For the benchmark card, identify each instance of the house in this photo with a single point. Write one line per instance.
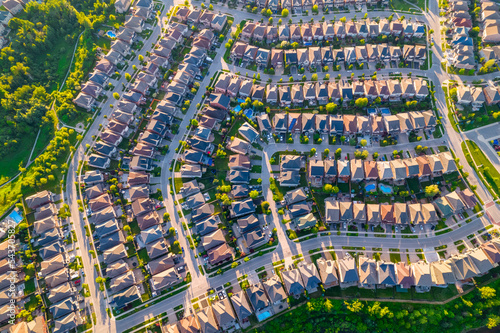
(264, 123)
(463, 267)
(39, 199)
(295, 196)
(293, 282)
(259, 32)
(218, 22)
(346, 213)
(238, 51)
(84, 101)
(188, 324)
(357, 172)
(480, 260)
(332, 210)
(373, 215)
(241, 306)
(310, 276)
(343, 171)
(324, 92)
(250, 53)
(212, 240)
(262, 57)
(336, 125)
(350, 125)
(280, 123)
(348, 273)
(321, 122)
(238, 176)
(219, 254)
(257, 296)
(492, 251)
(442, 273)
(363, 124)
(421, 274)
(247, 31)
(399, 170)
(359, 212)
(386, 274)
(271, 34)
(284, 96)
(283, 33)
(386, 213)
(239, 162)
(328, 272)
(371, 170)
(385, 171)
(468, 198)
(245, 88)
(239, 146)
(404, 276)
(302, 57)
(207, 321)
(306, 222)
(277, 58)
(299, 209)
(122, 6)
(248, 132)
(98, 161)
(224, 314)
(401, 213)
(242, 208)
(275, 291)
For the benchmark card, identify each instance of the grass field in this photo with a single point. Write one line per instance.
(485, 167)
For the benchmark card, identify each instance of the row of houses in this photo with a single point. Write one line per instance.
(348, 125)
(370, 274)
(316, 56)
(461, 54)
(61, 296)
(399, 213)
(269, 296)
(318, 92)
(477, 96)
(299, 6)
(490, 20)
(396, 171)
(307, 33)
(203, 19)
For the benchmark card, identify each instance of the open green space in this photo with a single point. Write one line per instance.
(484, 166)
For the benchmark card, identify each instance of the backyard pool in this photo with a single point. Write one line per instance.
(385, 189)
(385, 111)
(111, 34)
(263, 316)
(237, 108)
(371, 110)
(16, 216)
(241, 101)
(371, 187)
(249, 113)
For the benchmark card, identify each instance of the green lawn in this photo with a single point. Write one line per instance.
(486, 168)
(143, 256)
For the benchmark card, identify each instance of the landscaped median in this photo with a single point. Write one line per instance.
(490, 176)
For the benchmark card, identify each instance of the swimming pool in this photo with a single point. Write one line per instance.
(370, 187)
(371, 110)
(263, 316)
(111, 34)
(249, 113)
(237, 108)
(385, 189)
(241, 101)
(385, 111)
(16, 216)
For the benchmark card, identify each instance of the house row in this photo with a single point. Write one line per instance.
(398, 213)
(477, 96)
(348, 125)
(315, 56)
(490, 19)
(397, 171)
(370, 274)
(284, 95)
(54, 267)
(299, 6)
(307, 33)
(204, 19)
(461, 54)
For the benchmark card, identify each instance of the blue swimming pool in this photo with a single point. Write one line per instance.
(371, 110)
(263, 316)
(385, 111)
(370, 187)
(237, 108)
(111, 34)
(385, 189)
(241, 101)
(249, 113)
(16, 216)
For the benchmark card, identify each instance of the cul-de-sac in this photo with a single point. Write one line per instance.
(207, 166)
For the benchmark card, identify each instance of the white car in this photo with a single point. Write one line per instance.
(422, 227)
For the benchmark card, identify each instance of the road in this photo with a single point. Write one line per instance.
(286, 247)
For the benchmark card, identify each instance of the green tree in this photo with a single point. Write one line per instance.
(116, 95)
(314, 77)
(493, 321)
(361, 102)
(140, 57)
(285, 12)
(254, 194)
(363, 142)
(487, 292)
(330, 107)
(128, 77)
(432, 190)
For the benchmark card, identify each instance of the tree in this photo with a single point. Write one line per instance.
(363, 142)
(355, 306)
(211, 7)
(134, 67)
(361, 102)
(285, 12)
(489, 63)
(326, 152)
(259, 181)
(432, 190)
(375, 155)
(493, 321)
(315, 9)
(140, 57)
(128, 77)
(314, 77)
(343, 19)
(194, 122)
(330, 107)
(312, 152)
(342, 139)
(116, 95)
(338, 152)
(487, 292)
(270, 20)
(254, 194)
(327, 188)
